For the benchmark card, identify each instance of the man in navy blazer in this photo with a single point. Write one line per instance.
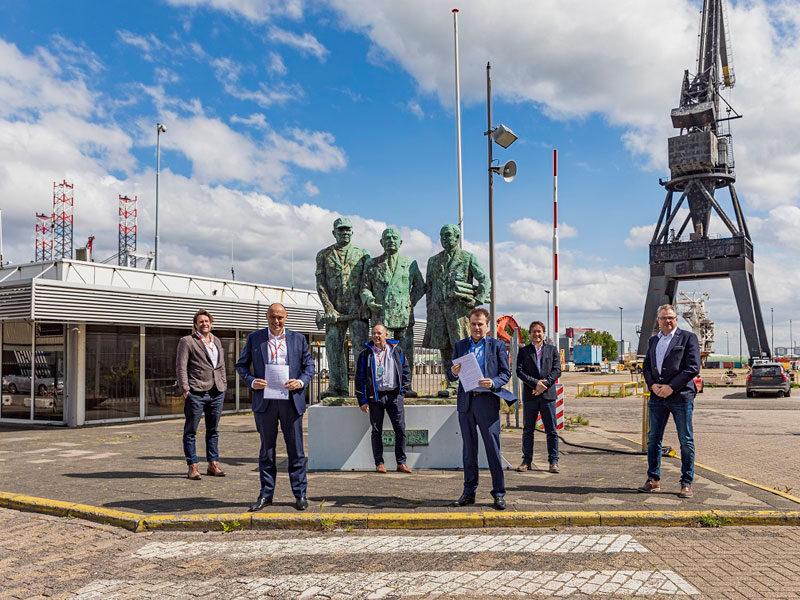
(278, 345)
(480, 408)
(538, 368)
(669, 368)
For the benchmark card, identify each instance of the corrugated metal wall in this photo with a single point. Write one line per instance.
(15, 302)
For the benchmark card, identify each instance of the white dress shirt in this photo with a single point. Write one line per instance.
(661, 347)
(213, 351)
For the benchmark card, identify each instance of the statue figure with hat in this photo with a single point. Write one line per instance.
(450, 294)
(339, 274)
(393, 284)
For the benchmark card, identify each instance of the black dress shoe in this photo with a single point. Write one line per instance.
(500, 502)
(301, 503)
(464, 500)
(261, 503)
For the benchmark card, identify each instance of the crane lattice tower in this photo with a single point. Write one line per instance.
(63, 202)
(701, 162)
(44, 237)
(127, 230)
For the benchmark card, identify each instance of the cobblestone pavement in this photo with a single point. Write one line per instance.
(50, 557)
(757, 439)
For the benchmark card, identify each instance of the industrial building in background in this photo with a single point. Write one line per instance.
(701, 162)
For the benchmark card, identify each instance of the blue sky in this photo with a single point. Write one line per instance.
(283, 114)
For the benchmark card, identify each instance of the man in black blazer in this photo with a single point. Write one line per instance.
(538, 367)
(669, 368)
(480, 408)
(278, 345)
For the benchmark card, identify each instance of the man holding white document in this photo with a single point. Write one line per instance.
(480, 363)
(281, 368)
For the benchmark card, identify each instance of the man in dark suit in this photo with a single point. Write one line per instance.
(200, 370)
(538, 367)
(480, 408)
(669, 368)
(278, 346)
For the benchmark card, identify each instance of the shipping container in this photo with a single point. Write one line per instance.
(587, 355)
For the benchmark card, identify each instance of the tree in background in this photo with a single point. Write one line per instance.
(604, 339)
(526, 337)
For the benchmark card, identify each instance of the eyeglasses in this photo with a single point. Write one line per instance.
(667, 318)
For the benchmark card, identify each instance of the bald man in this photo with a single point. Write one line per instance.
(277, 345)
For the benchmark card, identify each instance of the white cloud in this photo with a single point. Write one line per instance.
(276, 65)
(574, 58)
(640, 236)
(228, 71)
(149, 45)
(527, 230)
(310, 189)
(306, 43)
(414, 108)
(257, 11)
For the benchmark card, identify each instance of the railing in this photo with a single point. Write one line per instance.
(611, 389)
(427, 376)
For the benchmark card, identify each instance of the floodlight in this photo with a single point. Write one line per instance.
(503, 136)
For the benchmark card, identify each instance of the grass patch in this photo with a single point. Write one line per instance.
(712, 520)
(232, 526)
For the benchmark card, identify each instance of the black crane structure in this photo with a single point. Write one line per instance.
(701, 162)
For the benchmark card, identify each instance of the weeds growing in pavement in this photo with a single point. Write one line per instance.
(712, 520)
(227, 527)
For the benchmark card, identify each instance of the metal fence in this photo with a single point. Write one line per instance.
(427, 375)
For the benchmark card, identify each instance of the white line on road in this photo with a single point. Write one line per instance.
(386, 544)
(373, 586)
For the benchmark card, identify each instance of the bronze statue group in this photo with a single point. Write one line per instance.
(354, 290)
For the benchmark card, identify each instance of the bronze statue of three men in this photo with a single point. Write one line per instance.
(355, 288)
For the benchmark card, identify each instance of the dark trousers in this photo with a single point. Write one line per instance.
(285, 412)
(531, 409)
(395, 408)
(195, 405)
(483, 414)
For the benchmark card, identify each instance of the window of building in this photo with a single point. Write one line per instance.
(112, 372)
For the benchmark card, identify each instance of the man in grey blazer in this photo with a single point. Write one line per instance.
(200, 369)
(538, 368)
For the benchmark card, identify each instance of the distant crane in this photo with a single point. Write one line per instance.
(693, 309)
(701, 162)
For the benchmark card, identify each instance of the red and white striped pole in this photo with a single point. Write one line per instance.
(559, 386)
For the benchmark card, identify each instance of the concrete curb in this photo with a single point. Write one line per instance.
(328, 521)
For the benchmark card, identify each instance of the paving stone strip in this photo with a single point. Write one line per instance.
(557, 544)
(373, 586)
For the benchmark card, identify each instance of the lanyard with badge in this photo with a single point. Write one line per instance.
(211, 347)
(380, 357)
(274, 347)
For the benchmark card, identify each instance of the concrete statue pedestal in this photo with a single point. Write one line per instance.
(339, 439)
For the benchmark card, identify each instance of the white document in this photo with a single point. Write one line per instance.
(470, 372)
(276, 376)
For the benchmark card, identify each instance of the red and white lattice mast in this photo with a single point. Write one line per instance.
(127, 230)
(44, 237)
(63, 202)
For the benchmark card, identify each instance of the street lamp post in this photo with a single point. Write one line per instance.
(160, 128)
(791, 337)
(503, 137)
(621, 341)
(772, 333)
(548, 311)
(727, 344)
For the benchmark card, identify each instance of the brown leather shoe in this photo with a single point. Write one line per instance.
(403, 468)
(554, 467)
(651, 485)
(381, 468)
(686, 491)
(214, 470)
(194, 474)
(523, 467)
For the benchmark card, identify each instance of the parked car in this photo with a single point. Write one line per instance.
(698, 383)
(21, 384)
(768, 377)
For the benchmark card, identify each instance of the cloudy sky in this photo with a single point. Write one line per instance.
(283, 114)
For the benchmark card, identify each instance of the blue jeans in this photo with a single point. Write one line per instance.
(681, 412)
(194, 406)
(531, 409)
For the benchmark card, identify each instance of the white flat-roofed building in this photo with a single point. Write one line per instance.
(85, 342)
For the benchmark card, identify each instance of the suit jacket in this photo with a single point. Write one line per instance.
(495, 367)
(193, 365)
(530, 375)
(397, 291)
(447, 314)
(256, 354)
(681, 365)
(339, 276)
(366, 382)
